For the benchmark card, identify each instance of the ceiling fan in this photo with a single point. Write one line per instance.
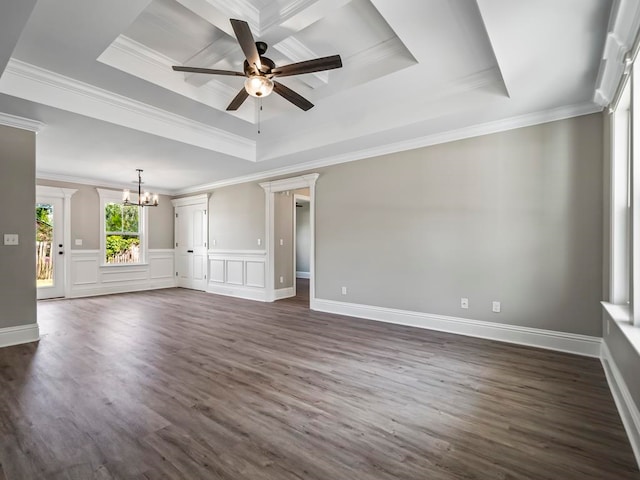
(260, 71)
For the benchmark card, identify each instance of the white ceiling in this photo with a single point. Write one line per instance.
(416, 72)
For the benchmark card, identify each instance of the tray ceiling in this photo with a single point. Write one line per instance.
(414, 73)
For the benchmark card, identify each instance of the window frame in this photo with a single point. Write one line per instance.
(115, 196)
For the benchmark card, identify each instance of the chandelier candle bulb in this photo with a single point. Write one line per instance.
(145, 199)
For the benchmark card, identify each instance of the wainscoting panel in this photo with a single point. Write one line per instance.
(235, 272)
(255, 274)
(238, 273)
(216, 273)
(89, 277)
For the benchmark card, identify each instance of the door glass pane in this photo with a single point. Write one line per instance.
(44, 244)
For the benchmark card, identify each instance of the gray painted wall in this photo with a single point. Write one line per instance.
(85, 217)
(161, 224)
(17, 195)
(236, 217)
(514, 217)
(303, 237)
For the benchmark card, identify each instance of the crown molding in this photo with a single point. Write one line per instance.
(621, 40)
(511, 123)
(21, 122)
(92, 182)
(138, 60)
(36, 84)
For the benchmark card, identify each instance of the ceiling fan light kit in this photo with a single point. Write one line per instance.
(260, 70)
(258, 86)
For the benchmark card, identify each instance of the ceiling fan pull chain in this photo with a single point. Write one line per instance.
(259, 116)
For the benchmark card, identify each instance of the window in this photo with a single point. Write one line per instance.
(123, 230)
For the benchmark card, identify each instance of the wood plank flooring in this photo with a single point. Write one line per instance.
(177, 384)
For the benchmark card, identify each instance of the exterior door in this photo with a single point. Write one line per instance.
(191, 246)
(49, 247)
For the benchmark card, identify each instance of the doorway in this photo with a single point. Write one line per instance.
(49, 247)
(302, 245)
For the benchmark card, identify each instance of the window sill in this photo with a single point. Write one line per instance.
(621, 314)
(122, 265)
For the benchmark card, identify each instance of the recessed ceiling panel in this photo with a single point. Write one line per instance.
(196, 33)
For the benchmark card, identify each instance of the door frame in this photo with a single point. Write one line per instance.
(65, 194)
(193, 200)
(270, 189)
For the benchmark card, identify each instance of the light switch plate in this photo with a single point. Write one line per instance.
(11, 239)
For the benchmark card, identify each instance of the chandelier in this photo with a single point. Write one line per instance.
(145, 199)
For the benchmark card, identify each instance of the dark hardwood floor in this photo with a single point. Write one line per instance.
(177, 384)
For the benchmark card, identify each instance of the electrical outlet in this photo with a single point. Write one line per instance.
(344, 290)
(259, 241)
(214, 242)
(281, 242)
(78, 242)
(281, 279)
(11, 239)
(464, 303)
(495, 306)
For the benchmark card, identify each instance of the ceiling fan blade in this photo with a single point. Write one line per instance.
(246, 41)
(238, 100)
(207, 70)
(295, 98)
(309, 66)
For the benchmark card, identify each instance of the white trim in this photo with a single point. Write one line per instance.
(497, 126)
(18, 335)
(534, 337)
(622, 31)
(21, 122)
(192, 200)
(240, 253)
(112, 290)
(286, 292)
(65, 194)
(238, 291)
(303, 275)
(36, 84)
(627, 408)
(115, 196)
(270, 189)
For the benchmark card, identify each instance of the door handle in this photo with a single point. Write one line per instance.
(60, 253)
(189, 251)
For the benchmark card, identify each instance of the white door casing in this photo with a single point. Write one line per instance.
(270, 189)
(60, 199)
(191, 227)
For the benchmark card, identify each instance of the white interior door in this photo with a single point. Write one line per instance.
(49, 247)
(191, 246)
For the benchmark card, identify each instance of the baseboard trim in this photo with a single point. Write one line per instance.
(627, 408)
(281, 293)
(238, 291)
(533, 337)
(127, 288)
(303, 274)
(10, 336)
